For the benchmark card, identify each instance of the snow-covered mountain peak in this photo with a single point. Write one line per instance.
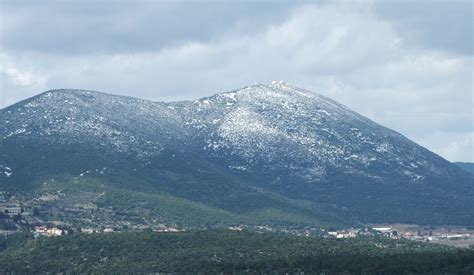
(278, 95)
(66, 93)
(278, 89)
(60, 98)
(276, 138)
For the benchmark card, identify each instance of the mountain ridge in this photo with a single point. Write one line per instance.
(259, 148)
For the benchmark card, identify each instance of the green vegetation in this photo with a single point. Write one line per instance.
(14, 240)
(122, 204)
(215, 251)
(127, 204)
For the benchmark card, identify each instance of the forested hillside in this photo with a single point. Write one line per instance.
(224, 251)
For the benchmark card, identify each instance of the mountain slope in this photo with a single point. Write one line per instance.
(468, 166)
(258, 150)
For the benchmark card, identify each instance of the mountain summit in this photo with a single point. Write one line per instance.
(261, 154)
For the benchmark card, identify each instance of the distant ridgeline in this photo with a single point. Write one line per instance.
(264, 154)
(468, 166)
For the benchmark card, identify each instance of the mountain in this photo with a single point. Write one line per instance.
(261, 154)
(468, 166)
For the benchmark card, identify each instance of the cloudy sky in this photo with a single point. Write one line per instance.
(405, 64)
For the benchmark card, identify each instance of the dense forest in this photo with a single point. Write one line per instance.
(225, 251)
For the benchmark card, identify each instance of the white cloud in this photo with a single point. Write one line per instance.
(22, 77)
(457, 146)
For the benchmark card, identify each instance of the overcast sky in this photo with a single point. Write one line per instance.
(405, 64)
